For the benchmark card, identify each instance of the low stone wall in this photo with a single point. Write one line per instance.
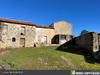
(88, 41)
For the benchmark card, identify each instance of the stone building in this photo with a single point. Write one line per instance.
(15, 33)
(63, 32)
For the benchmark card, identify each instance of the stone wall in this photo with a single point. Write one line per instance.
(62, 27)
(33, 34)
(88, 41)
(41, 32)
(14, 30)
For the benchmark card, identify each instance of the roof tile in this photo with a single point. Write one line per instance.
(42, 26)
(16, 21)
(23, 22)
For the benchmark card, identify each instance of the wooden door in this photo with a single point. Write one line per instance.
(22, 42)
(45, 39)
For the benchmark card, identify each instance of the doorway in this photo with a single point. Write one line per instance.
(45, 39)
(22, 42)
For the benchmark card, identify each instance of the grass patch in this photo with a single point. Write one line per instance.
(50, 58)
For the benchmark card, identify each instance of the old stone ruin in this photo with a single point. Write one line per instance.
(90, 42)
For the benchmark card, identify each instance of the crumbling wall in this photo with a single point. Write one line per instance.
(88, 41)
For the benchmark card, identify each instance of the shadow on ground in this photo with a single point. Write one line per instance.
(76, 50)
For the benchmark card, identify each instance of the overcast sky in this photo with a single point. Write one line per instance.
(83, 14)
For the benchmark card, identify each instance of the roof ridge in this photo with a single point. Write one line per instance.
(16, 21)
(61, 21)
(43, 26)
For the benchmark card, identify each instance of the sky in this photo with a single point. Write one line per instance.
(83, 14)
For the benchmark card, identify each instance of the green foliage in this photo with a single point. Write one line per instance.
(71, 72)
(84, 32)
(12, 64)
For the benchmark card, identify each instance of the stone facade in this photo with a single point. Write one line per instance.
(41, 33)
(62, 27)
(14, 33)
(88, 41)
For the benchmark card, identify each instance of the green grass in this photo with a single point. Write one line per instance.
(50, 58)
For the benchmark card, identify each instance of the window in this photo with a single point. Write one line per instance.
(5, 29)
(22, 30)
(63, 37)
(13, 39)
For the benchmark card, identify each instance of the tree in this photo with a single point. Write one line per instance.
(84, 32)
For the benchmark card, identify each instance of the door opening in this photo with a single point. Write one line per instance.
(22, 42)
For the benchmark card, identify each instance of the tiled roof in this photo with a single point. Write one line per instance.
(42, 26)
(23, 22)
(16, 21)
